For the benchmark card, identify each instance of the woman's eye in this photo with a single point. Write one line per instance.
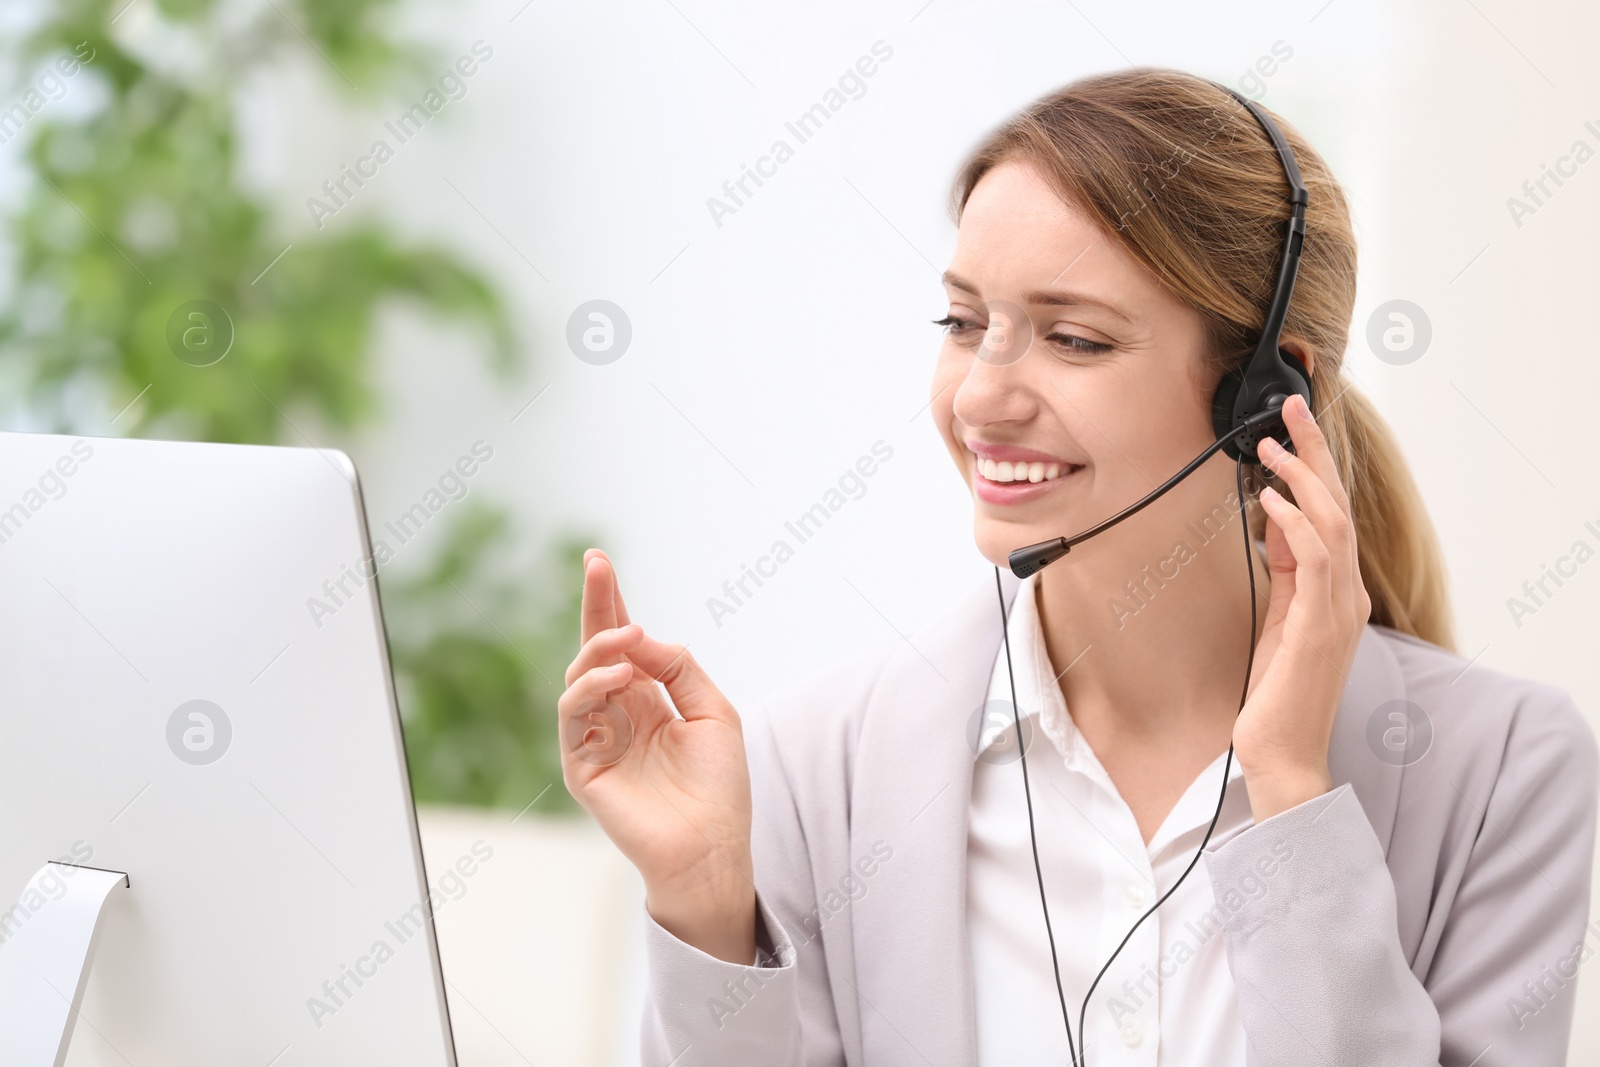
(1078, 344)
(966, 331)
(959, 328)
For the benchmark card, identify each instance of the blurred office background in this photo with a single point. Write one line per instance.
(426, 301)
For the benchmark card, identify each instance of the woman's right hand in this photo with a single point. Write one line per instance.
(672, 794)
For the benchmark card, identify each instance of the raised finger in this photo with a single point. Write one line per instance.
(599, 610)
(616, 584)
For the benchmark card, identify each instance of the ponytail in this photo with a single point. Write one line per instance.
(1401, 564)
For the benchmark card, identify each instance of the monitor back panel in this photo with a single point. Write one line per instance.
(195, 689)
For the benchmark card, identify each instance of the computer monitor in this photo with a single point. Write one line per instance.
(183, 701)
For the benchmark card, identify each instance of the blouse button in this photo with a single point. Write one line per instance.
(1136, 895)
(1131, 1033)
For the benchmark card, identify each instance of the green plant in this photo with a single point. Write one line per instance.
(481, 707)
(138, 210)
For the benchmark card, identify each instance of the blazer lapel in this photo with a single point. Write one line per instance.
(912, 788)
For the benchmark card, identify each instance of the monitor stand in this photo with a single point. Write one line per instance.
(46, 942)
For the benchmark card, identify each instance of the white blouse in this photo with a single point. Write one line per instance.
(1169, 999)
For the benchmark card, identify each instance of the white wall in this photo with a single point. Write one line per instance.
(773, 350)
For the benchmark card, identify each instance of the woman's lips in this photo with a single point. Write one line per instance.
(1015, 492)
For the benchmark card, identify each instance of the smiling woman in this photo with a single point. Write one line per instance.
(1126, 253)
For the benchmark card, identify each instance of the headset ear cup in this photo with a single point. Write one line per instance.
(1299, 381)
(1222, 403)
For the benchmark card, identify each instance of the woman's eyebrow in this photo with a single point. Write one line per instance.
(1050, 298)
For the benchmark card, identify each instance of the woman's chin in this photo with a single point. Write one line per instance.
(997, 543)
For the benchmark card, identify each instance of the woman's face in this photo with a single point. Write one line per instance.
(1070, 382)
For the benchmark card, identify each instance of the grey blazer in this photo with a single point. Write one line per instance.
(1434, 913)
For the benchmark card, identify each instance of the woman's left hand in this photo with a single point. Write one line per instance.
(1315, 617)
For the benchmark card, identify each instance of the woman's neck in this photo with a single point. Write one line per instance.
(1149, 648)
(1147, 639)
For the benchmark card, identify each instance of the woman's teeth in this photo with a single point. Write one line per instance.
(1006, 471)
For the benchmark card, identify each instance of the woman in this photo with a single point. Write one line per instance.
(1400, 873)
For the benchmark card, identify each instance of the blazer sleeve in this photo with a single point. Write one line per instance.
(700, 1011)
(1308, 910)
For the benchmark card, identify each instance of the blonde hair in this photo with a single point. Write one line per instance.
(1177, 172)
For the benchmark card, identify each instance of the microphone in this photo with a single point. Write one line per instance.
(1031, 558)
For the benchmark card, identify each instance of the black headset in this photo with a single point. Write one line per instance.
(1273, 373)
(1248, 403)
(1247, 408)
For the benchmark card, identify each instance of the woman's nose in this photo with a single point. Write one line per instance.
(995, 392)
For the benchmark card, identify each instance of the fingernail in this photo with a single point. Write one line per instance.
(1269, 447)
(1305, 408)
(1269, 492)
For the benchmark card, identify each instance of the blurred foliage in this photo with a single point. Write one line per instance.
(138, 209)
(480, 713)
